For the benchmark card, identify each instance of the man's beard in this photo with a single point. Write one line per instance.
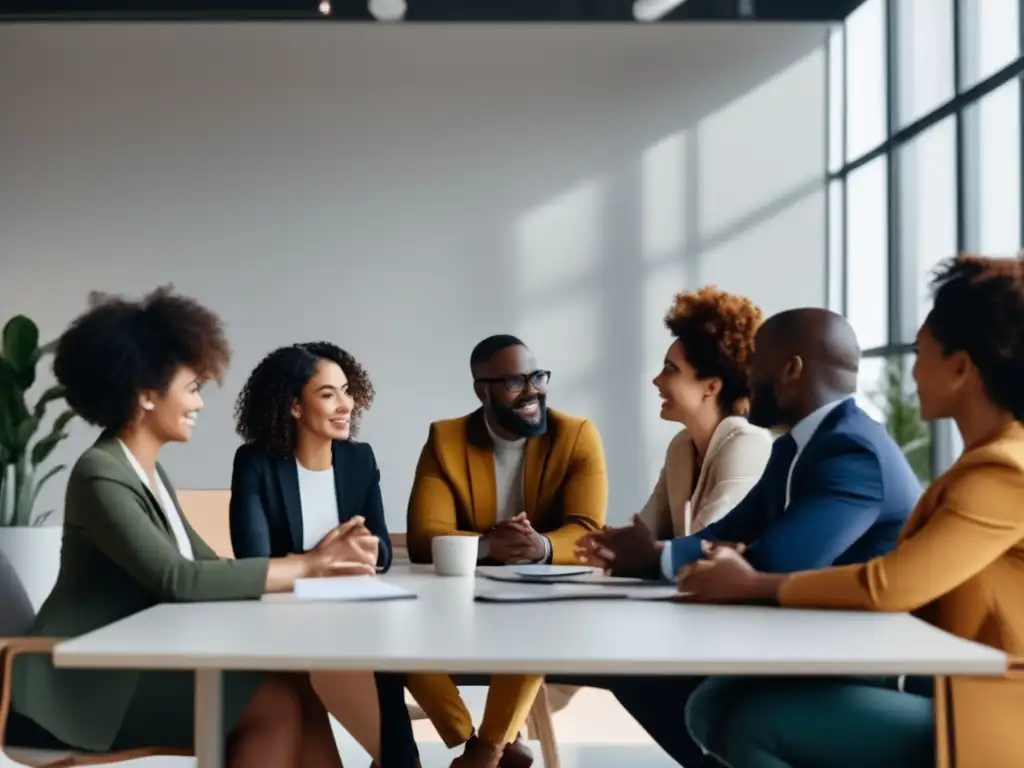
(507, 418)
(764, 408)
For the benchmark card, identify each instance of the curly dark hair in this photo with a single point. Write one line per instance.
(716, 330)
(119, 347)
(263, 411)
(979, 309)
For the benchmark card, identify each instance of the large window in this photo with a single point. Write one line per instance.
(927, 206)
(924, 158)
(991, 184)
(989, 38)
(867, 253)
(866, 67)
(885, 389)
(924, 35)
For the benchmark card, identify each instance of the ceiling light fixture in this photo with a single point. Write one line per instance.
(325, 8)
(388, 10)
(654, 10)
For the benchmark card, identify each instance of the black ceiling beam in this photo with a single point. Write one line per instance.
(418, 10)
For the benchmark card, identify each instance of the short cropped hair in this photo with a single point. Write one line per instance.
(491, 346)
(716, 330)
(979, 309)
(120, 347)
(263, 414)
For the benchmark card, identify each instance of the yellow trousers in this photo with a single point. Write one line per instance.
(509, 700)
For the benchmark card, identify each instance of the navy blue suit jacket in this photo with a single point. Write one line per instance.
(850, 494)
(266, 511)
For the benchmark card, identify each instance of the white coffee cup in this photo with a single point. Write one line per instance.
(454, 555)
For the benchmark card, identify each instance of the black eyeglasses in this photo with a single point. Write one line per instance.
(516, 382)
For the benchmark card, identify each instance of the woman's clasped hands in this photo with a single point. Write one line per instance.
(348, 550)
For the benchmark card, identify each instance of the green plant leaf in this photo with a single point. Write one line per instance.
(23, 500)
(42, 450)
(6, 498)
(23, 433)
(41, 519)
(12, 405)
(20, 345)
(48, 348)
(42, 480)
(53, 393)
(9, 394)
(8, 376)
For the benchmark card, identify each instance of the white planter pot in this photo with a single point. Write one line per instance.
(35, 555)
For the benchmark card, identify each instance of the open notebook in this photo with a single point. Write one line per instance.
(345, 589)
(557, 593)
(560, 575)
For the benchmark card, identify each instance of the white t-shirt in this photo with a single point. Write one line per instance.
(318, 497)
(167, 505)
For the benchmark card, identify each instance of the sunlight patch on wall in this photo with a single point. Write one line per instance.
(663, 196)
(564, 333)
(779, 262)
(763, 146)
(661, 284)
(558, 243)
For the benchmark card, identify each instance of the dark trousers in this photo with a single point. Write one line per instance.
(658, 704)
(397, 745)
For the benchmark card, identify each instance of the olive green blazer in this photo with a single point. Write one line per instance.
(118, 557)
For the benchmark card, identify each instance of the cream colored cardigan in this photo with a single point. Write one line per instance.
(736, 457)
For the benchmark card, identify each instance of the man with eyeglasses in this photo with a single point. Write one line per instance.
(528, 482)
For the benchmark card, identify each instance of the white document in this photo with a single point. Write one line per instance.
(349, 589)
(547, 595)
(556, 593)
(539, 571)
(589, 576)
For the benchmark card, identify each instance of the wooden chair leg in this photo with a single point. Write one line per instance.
(541, 726)
(943, 758)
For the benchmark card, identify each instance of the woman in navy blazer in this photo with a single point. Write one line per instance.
(297, 477)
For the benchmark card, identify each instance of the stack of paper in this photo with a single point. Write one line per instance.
(555, 574)
(349, 589)
(555, 593)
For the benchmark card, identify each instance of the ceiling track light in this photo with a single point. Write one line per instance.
(654, 10)
(388, 10)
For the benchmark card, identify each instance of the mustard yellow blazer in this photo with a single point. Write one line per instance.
(565, 485)
(959, 565)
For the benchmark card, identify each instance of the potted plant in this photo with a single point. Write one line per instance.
(32, 547)
(897, 401)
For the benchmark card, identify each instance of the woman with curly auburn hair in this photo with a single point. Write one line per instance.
(705, 386)
(710, 466)
(135, 369)
(956, 565)
(297, 477)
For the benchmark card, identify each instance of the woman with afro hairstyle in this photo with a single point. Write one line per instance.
(704, 385)
(957, 565)
(297, 477)
(135, 369)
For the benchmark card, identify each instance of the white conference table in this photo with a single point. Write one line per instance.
(444, 630)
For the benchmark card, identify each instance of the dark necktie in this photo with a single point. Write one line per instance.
(776, 473)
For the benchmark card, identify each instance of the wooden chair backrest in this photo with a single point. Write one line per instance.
(207, 512)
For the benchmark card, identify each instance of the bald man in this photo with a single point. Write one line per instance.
(837, 490)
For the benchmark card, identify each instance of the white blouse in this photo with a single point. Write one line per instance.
(167, 505)
(318, 497)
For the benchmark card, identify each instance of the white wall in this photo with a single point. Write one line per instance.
(405, 191)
